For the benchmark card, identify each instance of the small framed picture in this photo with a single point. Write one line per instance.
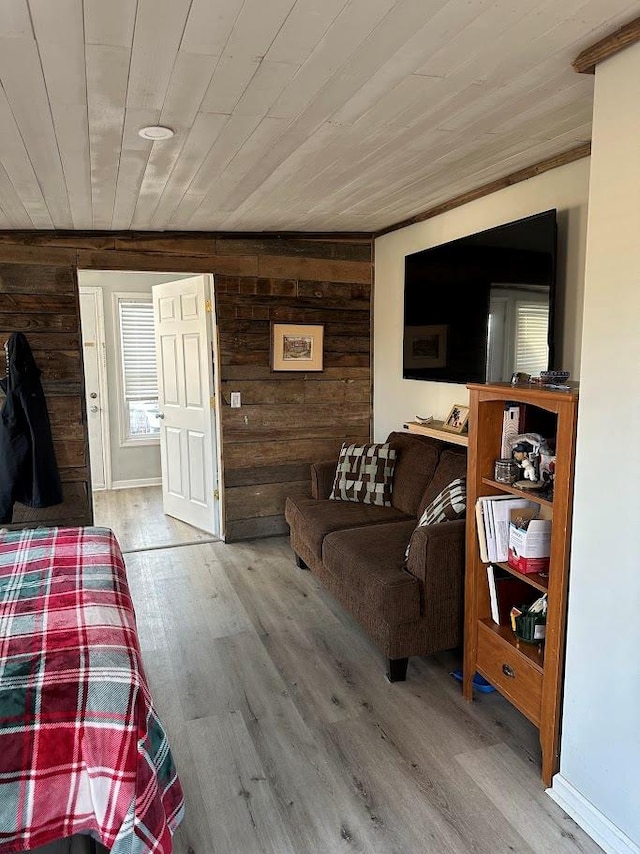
(457, 419)
(297, 347)
(425, 346)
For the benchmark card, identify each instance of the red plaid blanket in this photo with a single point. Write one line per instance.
(81, 747)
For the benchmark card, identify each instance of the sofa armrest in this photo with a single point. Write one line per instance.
(322, 477)
(436, 559)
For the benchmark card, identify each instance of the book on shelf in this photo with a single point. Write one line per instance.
(480, 529)
(487, 518)
(493, 514)
(506, 592)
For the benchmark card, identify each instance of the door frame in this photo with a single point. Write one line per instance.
(217, 387)
(216, 411)
(103, 386)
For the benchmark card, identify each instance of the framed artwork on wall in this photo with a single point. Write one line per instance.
(297, 347)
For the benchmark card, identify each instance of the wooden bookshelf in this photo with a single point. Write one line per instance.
(530, 676)
(437, 430)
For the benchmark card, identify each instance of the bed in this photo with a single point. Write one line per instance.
(82, 750)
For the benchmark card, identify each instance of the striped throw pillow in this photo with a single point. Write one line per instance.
(448, 505)
(365, 474)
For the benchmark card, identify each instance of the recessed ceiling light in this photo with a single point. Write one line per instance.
(156, 132)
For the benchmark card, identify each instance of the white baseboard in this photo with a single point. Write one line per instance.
(133, 484)
(603, 831)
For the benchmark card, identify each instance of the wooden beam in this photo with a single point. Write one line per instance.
(25, 254)
(200, 240)
(220, 252)
(585, 62)
(313, 269)
(232, 265)
(582, 150)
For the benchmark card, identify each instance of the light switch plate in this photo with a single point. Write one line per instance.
(236, 402)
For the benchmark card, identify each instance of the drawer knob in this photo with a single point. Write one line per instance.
(508, 671)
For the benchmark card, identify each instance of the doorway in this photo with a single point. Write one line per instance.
(150, 383)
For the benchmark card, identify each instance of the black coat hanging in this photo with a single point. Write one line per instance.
(28, 469)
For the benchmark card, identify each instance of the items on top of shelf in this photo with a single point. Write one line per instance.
(554, 377)
(548, 379)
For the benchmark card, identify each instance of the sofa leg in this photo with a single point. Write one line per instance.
(397, 669)
(300, 563)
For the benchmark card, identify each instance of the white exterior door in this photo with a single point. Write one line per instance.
(95, 379)
(184, 334)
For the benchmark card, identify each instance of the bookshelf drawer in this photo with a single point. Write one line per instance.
(513, 673)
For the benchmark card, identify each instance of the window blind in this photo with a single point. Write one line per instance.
(139, 369)
(532, 328)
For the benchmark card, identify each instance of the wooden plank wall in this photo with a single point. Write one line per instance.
(41, 301)
(287, 420)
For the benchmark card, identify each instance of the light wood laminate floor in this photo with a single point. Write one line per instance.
(137, 519)
(288, 738)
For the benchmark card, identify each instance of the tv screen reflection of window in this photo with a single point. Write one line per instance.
(479, 308)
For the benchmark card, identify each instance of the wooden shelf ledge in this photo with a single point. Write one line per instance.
(535, 579)
(531, 494)
(437, 430)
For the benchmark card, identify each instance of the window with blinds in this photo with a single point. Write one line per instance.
(139, 369)
(532, 330)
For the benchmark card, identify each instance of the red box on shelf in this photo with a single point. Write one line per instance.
(530, 547)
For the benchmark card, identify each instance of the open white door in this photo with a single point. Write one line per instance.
(95, 381)
(184, 332)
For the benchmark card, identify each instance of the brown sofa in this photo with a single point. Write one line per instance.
(411, 607)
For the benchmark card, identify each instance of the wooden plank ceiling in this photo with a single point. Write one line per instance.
(304, 115)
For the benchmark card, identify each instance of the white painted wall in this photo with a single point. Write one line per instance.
(600, 762)
(396, 400)
(143, 462)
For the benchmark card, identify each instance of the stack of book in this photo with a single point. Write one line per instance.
(493, 513)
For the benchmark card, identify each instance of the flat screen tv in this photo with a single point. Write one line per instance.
(479, 308)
